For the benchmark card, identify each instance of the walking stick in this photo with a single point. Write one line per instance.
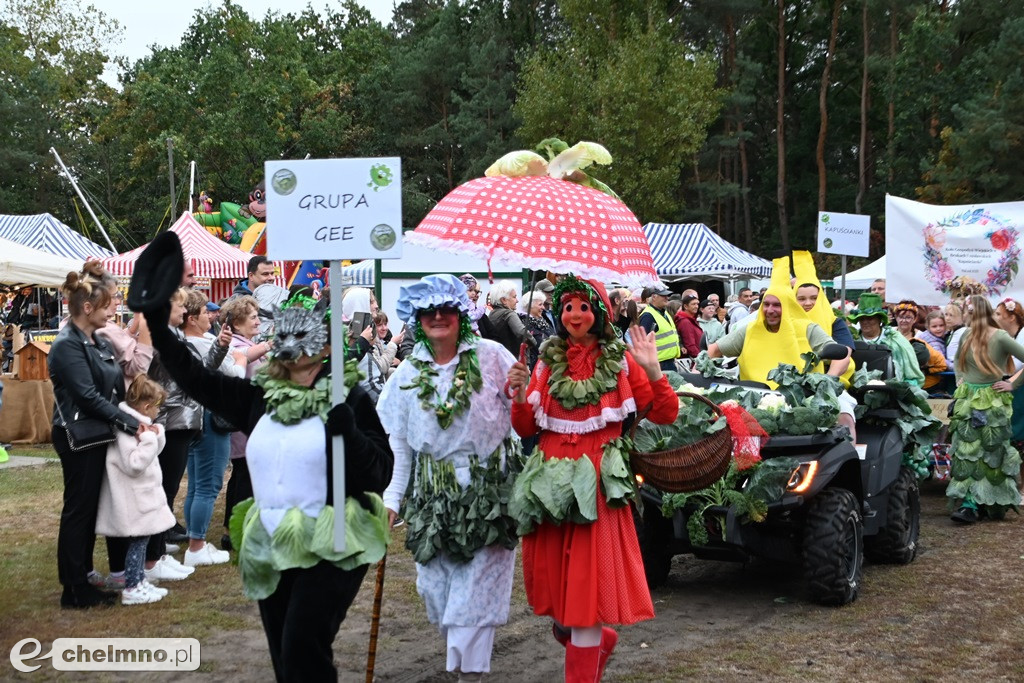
(378, 594)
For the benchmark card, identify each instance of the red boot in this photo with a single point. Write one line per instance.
(582, 664)
(608, 640)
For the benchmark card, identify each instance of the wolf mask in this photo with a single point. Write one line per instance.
(298, 331)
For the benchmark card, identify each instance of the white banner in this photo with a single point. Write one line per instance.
(936, 252)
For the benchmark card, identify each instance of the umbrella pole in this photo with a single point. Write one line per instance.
(378, 595)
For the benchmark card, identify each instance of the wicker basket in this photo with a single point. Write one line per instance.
(690, 467)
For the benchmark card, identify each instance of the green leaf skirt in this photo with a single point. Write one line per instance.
(301, 541)
(986, 466)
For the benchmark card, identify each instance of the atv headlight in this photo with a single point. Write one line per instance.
(802, 476)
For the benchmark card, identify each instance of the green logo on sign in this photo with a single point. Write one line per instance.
(380, 176)
(827, 243)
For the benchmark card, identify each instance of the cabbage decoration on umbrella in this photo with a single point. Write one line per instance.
(528, 212)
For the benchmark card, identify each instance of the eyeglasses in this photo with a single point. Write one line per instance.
(443, 310)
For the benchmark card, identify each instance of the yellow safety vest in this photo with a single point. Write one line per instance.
(665, 336)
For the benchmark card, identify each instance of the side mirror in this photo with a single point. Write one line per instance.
(834, 352)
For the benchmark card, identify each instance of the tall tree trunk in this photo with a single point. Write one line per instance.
(748, 227)
(826, 77)
(862, 179)
(890, 143)
(744, 168)
(780, 129)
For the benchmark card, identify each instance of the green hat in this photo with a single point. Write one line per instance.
(868, 306)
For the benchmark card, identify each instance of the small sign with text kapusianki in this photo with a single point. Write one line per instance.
(334, 209)
(844, 233)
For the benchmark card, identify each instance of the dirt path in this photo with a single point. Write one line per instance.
(706, 607)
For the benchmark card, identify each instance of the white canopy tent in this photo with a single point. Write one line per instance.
(862, 277)
(21, 265)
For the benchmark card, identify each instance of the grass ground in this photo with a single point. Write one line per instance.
(956, 613)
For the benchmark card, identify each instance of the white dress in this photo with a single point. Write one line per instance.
(476, 593)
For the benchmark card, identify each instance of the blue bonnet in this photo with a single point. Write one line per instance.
(431, 291)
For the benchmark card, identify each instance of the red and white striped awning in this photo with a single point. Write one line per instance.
(210, 257)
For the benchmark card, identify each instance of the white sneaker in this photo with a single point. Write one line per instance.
(171, 548)
(140, 595)
(206, 555)
(162, 571)
(154, 589)
(177, 566)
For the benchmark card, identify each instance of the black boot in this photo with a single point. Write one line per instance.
(85, 595)
(225, 542)
(965, 515)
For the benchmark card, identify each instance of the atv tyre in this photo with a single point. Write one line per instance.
(896, 542)
(655, 534)
(833, 547)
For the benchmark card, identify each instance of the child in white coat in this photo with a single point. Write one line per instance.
(132, 500)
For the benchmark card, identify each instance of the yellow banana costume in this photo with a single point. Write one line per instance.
(822, 314)
(763, 350)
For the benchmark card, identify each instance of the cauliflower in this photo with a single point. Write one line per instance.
(875, 383)
(772, 403)
(690, 388)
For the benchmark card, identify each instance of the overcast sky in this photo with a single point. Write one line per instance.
(163, 22)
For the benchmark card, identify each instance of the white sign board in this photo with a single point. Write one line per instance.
(334, 209)
(843, 233)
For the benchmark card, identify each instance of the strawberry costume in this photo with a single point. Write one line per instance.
(581, 559)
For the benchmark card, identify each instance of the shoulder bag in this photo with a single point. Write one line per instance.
(85, 432)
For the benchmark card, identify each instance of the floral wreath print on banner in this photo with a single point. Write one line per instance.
(1002, 237)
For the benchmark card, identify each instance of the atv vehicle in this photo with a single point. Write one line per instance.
(839, 504)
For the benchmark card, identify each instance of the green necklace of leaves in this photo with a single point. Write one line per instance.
(466, 381)
(572, 393)
(290, 403)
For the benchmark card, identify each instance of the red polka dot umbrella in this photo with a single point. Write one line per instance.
(541, 223)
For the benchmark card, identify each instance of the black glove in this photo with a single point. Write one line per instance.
(340, 420)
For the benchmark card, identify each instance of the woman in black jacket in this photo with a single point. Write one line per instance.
(87, 386)
(283, 538)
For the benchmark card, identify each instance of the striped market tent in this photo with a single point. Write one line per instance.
(45, 233)
(212, 259)
(692, 251)
(359, 274)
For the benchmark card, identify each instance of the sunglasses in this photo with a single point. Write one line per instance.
(443, 310)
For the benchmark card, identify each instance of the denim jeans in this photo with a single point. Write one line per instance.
(207, 461)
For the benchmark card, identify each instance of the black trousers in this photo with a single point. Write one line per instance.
(83, 476)
(239, 488)
(173, 459)
(302, 617)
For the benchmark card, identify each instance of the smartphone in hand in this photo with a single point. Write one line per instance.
(360, 321)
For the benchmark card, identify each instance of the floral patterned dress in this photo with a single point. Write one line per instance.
(588, 574)
(475, 593)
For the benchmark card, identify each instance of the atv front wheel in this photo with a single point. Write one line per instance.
(896, 542)
(833, 547)
(654, 532)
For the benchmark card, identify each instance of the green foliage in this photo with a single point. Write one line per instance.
(694, 422)
(444, 517)
(724, 492)
(618, 84)
(561, 490)
(918, 427)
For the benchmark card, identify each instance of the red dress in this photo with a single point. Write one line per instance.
(588, 574)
